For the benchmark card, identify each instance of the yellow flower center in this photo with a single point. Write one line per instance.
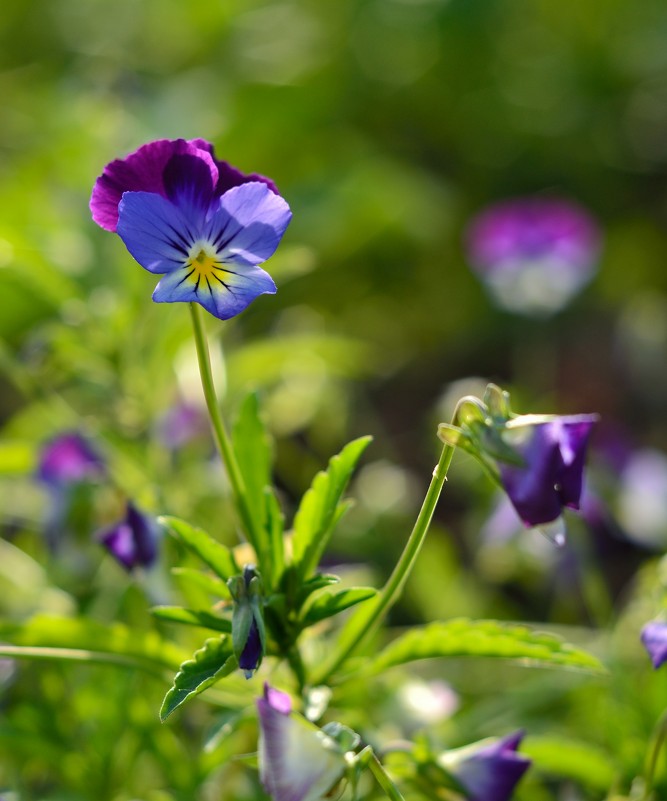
(204, 264)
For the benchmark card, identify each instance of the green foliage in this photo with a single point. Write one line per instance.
(321, 508)
(483, 638)
(212, 662)
(193, 617)
(331, 603)
(213, 553)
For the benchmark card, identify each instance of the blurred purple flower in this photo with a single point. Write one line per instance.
(490, 772)
(654, 638)
(199, 221)
(534, 253)
(68, 459)
(133, 541)
(182, 423)
(297, 760)
(551, 477)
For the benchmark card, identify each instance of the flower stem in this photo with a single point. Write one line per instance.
(383, 779)
(659, 736)
(222, 439)
(371, 614)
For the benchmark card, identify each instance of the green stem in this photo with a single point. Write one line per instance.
(222, 439)
(658, 740)
(369, 616)
(383, 779)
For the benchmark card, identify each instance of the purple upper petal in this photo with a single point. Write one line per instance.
(68, 459)
(159, 167)
(552, 476)
(133, 540)
(491, 773)
(654, 638)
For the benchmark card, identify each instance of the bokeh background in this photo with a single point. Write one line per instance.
(387, 125)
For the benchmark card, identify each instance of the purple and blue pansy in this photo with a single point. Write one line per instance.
(488, 772)
(654, 639)
(198, 221)
(551, 476)
(133, 541)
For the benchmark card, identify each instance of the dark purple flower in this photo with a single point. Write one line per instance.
(297, 761)
(68, 459)
(490, 772)
(534, 253)
(654, 638)
(132, 541)
(551, 477)
(199, 221)
(253, 652)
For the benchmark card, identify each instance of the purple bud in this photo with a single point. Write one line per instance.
(132, 541)
(534, 253)
(252, 651)
(654, 638)
(489, 773)
(68, 459)
(551, 477)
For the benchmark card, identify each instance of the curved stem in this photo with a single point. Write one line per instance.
(222, 439)
(658, 740)
(369, 616)
(383, 779)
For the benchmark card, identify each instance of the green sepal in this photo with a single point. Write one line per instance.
(346, 738)
(497, 401)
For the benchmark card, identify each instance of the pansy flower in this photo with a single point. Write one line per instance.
(654, 639)
(297, 761)
(550, 476)
(133, 541)
(194, 219)
(533, 253)
(488, 772)
(68, 459)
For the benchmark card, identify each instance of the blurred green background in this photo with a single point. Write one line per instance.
(386, 124)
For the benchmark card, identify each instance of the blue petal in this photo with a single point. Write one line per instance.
(249, 224)
(155, 232)
(224, 294)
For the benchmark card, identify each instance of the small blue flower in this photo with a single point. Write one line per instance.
(202, 224)
(534, 253)
(133, 541)
(654, 638)
(68, 459)
(297, 761)
(488, 772)
(551, 476)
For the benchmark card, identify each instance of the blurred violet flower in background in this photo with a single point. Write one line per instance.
(297, 761)
(654, 638)
(534, 253)
(68, 459)
(642, 498)
(133, 541)
(551, 477)
(488, 772)
(182, 423)
(202, 223)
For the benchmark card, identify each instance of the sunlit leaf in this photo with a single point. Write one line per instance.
(321, 507)
(573, 759)
(209, 664)
(216, 555)
(484, 638)
(332, 603)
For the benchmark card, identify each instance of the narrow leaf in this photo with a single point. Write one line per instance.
(316, 582)
(204, 581)
(320, 507)
(332, 603)
(484, 638)
(208, 665)
(275, 523)
(192, 617)
(213, 553)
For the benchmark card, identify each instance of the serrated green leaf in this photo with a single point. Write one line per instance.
(484, 638)
(573, 759)
(107, 643)
(320, 508)
(213, 553)
(209, 664)
(204, 581)
(331, 603)
(192, 617)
